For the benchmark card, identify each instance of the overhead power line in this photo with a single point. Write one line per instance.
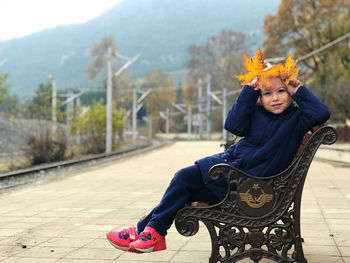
(332, 43)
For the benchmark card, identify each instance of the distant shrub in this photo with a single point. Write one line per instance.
(90, 126)
(45, 148)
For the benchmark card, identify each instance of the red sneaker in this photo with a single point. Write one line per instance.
(122, 239)
(149, 241)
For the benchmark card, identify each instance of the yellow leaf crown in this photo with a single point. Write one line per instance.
(257, 68)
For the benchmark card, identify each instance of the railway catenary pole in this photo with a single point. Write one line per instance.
(208, 108)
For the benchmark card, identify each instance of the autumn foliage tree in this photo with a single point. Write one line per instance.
(163, 95)
(220, 56)
(302, 26)
(99, 52)
(122, 90)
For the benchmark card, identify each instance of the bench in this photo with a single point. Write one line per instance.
(259, 216)
(229, 142)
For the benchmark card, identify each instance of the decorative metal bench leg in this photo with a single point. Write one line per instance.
(299, 249)
(214, 242)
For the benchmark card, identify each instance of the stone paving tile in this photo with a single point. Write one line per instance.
(68, 260)
(104, 228)
(317, 241)
(83, 234)
(9, 250)
(29, 260)
(336, 229)
(161, 256)
(26, 213)
(46, 252)
(102, 221)
(7, 232)
(102, 243)
(313, 234)
(7, 219)
(95, 254)
(342, 240)
(176, 241)
(345, 251)
(264, 260)
(320, 250)
(133, 261)
(21, 225)
(65, 242)
(197, 246)
(323, 259)
(337, 221)
(190, 256)
(310, 221)
(26, 241)
(36, 219)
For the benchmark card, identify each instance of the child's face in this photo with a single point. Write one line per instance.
(275, 99)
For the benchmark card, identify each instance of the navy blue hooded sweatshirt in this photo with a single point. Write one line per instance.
(270, 141)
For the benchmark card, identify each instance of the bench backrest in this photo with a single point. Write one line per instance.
(269, 197)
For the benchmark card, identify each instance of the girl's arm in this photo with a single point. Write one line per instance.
(239, 116)
(314, 112)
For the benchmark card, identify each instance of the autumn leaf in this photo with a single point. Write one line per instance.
(250, 67)
(289, 71)
(264, 77)
(256, 67)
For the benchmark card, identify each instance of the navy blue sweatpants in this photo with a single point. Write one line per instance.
(186, 186)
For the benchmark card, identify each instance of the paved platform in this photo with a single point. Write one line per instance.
(65, 219)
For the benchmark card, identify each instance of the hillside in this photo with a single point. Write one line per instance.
(161, 30)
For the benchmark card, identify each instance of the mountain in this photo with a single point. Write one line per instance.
(161, 30)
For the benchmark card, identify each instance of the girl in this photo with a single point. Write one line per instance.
(272, 130)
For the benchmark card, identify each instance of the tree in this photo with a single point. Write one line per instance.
(337, 99)
(89, 95)
(190, 90)
(220, 57)
(4, 89)
(302, 26)
(11, 105)
(163, 94)
(91, 127)
(122, 92)
(99, 53)
(40, 106)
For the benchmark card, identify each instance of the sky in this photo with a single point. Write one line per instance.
(23, 17)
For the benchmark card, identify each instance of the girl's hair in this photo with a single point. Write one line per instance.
(259, 102)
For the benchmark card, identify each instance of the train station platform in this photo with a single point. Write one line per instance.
(65, 218)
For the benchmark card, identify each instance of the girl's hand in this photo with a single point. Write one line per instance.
(293, 85)
(253, 84)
